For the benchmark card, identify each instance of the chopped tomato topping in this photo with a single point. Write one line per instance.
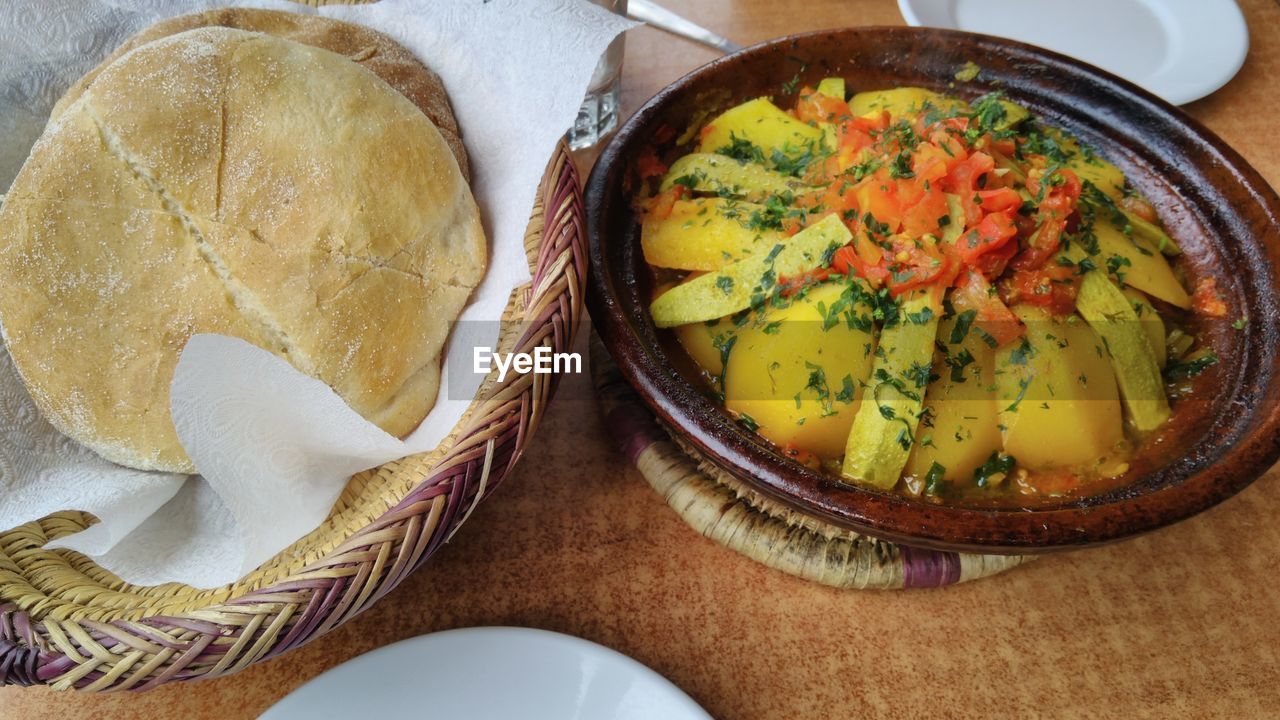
(1206, 300)
(955, 150)
(792, 284)
(992, 232)
(924, 217)
(649, 166)
(662, 204)
(878, 196)
(804, 457)
(1053, 287)
(963, 181)
(845, 260)
(999, 199)
(912, 263)
(992, 316)
(931, 163)
(1138, 207)
(813, 106)
(1060, 194)
(1004, 146)
(992, 263)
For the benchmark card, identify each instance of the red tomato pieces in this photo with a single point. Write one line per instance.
(1052, 287)
(992, 232)
(813, 106)
(1206, 300)
(963, 181)
(924, 216)
(999, 200)
(1059, 194)
(804, 457)
(912, 263)
(992, 316)
(663, 203)
(877, 195)
(992, 263)
(792, 284)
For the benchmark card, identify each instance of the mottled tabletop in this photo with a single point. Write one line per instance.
(1179, 623)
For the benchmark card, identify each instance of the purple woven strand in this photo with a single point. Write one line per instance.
(633, 429)
(21, 662)
(928, 568)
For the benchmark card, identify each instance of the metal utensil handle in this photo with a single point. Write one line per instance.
(652, 14)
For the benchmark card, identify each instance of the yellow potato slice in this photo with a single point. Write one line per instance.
(798, 372)
(761, 123)
(1059, 406)
(959, 429)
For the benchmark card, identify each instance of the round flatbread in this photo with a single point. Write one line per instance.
(223, 181)
(372, 50)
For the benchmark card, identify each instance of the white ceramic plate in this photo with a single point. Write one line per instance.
(493, 673)
(1180, 50)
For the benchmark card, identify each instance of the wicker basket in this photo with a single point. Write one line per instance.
(67, 623)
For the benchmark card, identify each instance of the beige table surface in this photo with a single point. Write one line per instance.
(1181, 623)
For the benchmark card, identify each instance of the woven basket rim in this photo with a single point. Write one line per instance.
(91, 638)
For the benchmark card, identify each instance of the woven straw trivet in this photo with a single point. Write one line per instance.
(733, 514)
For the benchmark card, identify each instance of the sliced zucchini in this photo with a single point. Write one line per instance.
(732, 287)
(1153, 234)
(704, 234)
(1140, 263)
(723, 175)
(1014, 115)
(832, 87)
(885, 426)
(1151, 322)
(1133, 359)
(706, 342)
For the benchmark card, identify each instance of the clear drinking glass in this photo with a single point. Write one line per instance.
(598, 115)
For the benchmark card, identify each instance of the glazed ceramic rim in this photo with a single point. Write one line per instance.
(1247, 442)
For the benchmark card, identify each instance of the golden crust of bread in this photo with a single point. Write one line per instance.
(223, 181)
(385, 57)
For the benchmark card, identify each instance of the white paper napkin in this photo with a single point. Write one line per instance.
(274, 447)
